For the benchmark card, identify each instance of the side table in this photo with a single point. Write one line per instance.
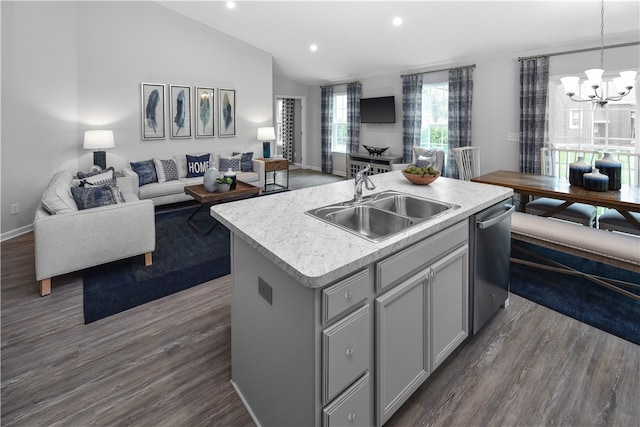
(274, 166)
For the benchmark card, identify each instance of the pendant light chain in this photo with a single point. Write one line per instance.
(602, 35)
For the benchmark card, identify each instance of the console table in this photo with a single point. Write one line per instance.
(379, 164)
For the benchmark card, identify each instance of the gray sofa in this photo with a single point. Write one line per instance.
(68, 239)
(172, 191)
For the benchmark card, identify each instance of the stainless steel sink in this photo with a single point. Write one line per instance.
(368, 221)
(381, 215)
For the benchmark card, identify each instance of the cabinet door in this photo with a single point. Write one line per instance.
(449, 304)
(402, 345)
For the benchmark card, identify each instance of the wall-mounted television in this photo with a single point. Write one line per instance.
(378, 110)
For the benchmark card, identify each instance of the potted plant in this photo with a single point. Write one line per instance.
(224, 184)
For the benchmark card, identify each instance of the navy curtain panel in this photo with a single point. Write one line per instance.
(354, 93)
(287, 128)
(534, 82)
(459, 114)
(411, 115)
(326, 127)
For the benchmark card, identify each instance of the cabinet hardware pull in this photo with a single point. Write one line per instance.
(350, 352)
(351, 417)
(348, 295)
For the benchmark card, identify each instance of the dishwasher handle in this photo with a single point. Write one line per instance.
(493, 221)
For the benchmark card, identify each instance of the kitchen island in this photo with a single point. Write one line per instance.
(329, 328)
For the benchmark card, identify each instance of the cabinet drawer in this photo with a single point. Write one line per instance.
(351, 408)
(347, 293)
(404, 263)
(345, 352)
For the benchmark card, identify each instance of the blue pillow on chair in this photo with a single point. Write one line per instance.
(146, 171)
(93, 197)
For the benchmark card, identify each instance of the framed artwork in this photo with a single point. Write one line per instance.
(152, 97)
(227, 112)
(180, 114)
(204, 102)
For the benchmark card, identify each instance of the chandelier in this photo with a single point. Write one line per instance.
(623, 84)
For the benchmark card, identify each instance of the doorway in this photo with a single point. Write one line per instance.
(291, 128)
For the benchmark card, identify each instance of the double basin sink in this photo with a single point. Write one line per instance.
(381, 215)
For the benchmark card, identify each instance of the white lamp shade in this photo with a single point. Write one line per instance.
(98, 139)
(570, 84)
(594, 76)
(266, 134)
(628, 78)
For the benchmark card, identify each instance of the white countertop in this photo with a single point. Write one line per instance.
(316, 253)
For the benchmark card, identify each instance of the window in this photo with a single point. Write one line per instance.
(339, 136)
(582, 126)
(435, 115)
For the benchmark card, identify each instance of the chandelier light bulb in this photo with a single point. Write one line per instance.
(628, 78)
(570, 84)
(594, 76)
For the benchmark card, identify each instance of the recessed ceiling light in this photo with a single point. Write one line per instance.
(313, 47)
(397, 21)
(231, 5)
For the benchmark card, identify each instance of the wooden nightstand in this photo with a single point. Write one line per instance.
(275, 166)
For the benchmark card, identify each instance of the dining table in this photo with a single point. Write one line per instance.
(529, 185)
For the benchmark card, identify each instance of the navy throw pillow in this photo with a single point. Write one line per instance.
(93, 197)
(197, 165)
(146, 171)
(246, 161)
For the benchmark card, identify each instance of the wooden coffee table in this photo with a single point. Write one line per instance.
(206, 198)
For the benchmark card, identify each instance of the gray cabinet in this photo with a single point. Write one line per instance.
(379, 164)
(402, 343)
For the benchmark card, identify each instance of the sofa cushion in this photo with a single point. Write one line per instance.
(167, 170)
(248, 177)
(246, 161)
(226, 163)
(156, 189)
(197, 165)
(57, 197)
(146, 171)
(93, 197)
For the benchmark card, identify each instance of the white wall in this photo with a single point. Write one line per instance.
(72, 66)
(496, 102)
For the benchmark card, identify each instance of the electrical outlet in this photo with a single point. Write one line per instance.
(265, 290)
(15, 208)
(513, 136)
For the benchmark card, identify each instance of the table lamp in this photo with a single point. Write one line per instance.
(266, 134)
(97, 140)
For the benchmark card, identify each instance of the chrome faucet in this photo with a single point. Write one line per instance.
(362, 177)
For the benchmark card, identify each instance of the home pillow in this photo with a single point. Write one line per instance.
(105, 177)
(167, 170)
(146, 171)
(93, 197)
(197, 165)
(227, 163)
(246, 161)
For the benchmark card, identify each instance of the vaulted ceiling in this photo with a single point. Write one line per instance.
(357, 39)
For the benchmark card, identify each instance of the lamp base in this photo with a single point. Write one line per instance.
(266, 149)
(100, 159)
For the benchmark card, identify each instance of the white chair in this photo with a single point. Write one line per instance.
(613, 220)
(468, 161)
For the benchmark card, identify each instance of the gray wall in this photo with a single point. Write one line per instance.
(72, 66)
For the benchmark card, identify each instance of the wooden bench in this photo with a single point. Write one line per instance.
(619, 250)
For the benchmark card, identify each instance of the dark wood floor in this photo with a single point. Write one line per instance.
(167, 363)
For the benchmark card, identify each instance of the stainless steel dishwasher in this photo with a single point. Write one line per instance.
(491, 247)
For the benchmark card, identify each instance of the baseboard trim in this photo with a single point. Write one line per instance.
(245, 403)
(15, 233)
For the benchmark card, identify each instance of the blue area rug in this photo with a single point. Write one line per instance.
(183, 258)
(578, 297)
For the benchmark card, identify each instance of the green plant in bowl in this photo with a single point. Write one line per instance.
(224, 180)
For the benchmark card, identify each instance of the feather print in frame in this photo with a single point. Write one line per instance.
(204, 103)
(180, 101)
(152, 99)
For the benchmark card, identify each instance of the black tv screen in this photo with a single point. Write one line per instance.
(378, 110)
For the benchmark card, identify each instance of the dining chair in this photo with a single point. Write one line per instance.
(468, 162)
(613, 220)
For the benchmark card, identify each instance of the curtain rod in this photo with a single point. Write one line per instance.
(339, 84)
(437, 71)
(588, 49)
